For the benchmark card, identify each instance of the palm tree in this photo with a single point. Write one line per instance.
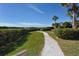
(55, 19)
(73, 12)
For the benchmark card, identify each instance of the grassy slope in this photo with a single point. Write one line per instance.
(69, 47)
(33, 45)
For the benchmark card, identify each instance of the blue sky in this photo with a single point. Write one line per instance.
(28, 15)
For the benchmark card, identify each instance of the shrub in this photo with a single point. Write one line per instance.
(9, 39)
(67, 33)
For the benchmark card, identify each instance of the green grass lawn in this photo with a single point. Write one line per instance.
(69, 47)
(33, 44)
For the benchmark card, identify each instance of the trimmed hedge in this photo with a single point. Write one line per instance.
(67, 33)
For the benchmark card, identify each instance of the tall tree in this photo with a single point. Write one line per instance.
(55, 19)
(67, 25)
(73, 12)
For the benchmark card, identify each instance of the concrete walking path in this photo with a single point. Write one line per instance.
(51, 47)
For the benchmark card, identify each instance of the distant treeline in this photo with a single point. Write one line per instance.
(27, 28)
(38, 28)
(5, 27)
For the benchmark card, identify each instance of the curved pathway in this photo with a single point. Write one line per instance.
(51, 47)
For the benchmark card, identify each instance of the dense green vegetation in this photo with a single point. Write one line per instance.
(63, 25)
(67, 33)
(10, 39)
(67, 25)
(33, 44)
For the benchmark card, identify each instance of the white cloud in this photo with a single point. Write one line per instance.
(24, 24)
(9, 24)
(35, 8)
(6, 24)
(32, 24)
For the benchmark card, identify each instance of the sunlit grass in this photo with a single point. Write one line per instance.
(33, 45)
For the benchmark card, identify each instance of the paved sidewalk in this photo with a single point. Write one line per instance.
(51, 47)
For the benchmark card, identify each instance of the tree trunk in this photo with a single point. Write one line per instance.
(55, 25)
(74, 25)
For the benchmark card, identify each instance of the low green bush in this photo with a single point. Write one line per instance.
(67, 33)
(9, 39)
